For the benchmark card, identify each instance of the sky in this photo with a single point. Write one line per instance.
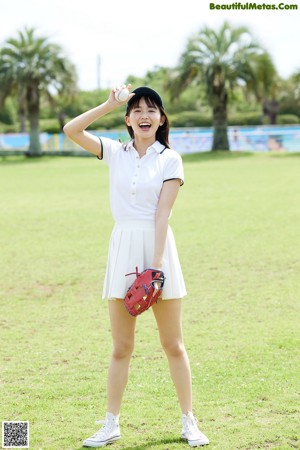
(131, 38)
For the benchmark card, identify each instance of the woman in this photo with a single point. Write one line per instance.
(145, 177)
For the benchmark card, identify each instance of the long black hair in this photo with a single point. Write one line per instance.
(162, 133)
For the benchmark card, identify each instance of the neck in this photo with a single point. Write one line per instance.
(141, 145)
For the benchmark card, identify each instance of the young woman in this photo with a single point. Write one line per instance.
(145, 177)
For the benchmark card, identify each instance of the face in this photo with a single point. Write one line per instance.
(144, 119)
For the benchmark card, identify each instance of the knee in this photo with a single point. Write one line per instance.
(174, 348)
(123, 349)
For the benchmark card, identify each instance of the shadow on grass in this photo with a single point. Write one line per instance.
(9, 160)
(215, 156)
(148, 445)
(229, 156)
(13, 160)
(284, 154)
(219, 155)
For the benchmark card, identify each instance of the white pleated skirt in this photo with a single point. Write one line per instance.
(132, 245)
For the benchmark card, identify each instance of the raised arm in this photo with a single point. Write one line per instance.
(76, 128)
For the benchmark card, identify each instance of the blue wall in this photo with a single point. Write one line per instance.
(184, 140)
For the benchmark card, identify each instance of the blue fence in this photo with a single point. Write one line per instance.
(184, 140)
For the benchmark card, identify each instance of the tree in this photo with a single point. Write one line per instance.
(159, 79)
(222, 60)
(265, 85)
(30, 66)
(289, 95)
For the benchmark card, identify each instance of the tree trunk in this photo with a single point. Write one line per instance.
(33, 107)
(22, 120)
(61, 119)
(220, 139)
(22, 112)
(270, 109)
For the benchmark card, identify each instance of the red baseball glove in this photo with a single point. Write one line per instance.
(144, 291)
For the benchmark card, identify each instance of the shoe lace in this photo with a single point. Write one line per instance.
(191, 424)
(106, 428)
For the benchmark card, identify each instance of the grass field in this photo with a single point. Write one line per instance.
(236, 223)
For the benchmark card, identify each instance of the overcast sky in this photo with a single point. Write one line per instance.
(133, 37)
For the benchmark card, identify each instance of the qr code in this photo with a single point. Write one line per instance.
(15, 434)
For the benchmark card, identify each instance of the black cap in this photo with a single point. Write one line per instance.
(144, 91)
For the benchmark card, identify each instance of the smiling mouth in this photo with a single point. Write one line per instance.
(144, 126)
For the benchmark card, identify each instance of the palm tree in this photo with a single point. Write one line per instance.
(265, 84)
(289, 95)
(222, 60)
(30, 66)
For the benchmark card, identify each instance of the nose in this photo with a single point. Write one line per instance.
(144, 114)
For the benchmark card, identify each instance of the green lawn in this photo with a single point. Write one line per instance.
(236, 223)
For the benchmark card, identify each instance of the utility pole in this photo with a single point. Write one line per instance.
(98, 71)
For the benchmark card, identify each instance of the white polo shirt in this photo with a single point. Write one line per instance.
(136, 183)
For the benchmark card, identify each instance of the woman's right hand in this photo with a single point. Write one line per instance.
(112, 100)
(76, 128)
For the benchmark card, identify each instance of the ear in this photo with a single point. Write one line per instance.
(162, 120)
(127, 121)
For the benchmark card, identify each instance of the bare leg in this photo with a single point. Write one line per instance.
(122, 328)
(168, 317)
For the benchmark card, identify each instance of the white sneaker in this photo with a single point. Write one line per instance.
(109, 433)
(190, 431)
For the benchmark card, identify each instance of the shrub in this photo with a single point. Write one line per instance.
(14, 128)
(8, 113)
(109, 122)
(288, 119)
(189, 119)
(244, 119)
(49, 126)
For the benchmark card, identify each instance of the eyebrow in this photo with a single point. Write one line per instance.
(148, 106)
